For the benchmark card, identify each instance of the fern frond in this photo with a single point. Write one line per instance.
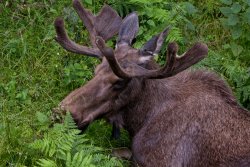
(63, 146)
(46, 163)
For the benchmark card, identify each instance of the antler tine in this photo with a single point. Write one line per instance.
(109, 55)
(176, 64)
(63, 39)
(117, 69)
(173, 65)
(171, 59)
(167, 70)
(87, 18)
(192, 56)
(106, 24)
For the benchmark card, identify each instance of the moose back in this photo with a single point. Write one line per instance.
(175, 117)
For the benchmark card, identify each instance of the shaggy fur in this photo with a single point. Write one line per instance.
(187, 119)
(191, 119)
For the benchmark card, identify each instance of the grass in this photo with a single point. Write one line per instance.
(36, 73)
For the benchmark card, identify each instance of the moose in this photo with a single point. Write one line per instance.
(175, 116)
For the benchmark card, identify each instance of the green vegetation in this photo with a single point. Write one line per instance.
(63, 146)
(36, 73)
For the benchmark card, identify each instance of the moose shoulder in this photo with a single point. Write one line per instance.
(175, 117)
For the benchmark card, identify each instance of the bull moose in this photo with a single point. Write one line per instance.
(175, 117)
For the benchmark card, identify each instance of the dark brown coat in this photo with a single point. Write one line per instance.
(175, 117)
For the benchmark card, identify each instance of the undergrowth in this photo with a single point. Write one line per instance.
(63, 146)
(36, 73)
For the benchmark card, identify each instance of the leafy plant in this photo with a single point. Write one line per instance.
(237, 18)
(77, 72)
(63, 146)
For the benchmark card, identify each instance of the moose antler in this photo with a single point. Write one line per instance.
(173, 66)
(106, 24)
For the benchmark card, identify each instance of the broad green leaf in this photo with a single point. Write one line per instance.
(227, 2)
(88, 2)
(232, 20)
(236, 49)
(190, 8)
(22, 95)
(41, 117)
(248, 2)
(247, 36)
(145, 1)
(226, 11)
(151, 23)
(224, 22)
(248, 80)
(236, 32)
(246, 15)
(226, 46)
(190, 26)
(236, 8)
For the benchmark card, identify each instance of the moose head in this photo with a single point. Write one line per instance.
(119, 78)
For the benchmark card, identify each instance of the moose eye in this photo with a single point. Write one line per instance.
(120, 84)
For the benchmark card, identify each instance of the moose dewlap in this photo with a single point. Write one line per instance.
(175, 117)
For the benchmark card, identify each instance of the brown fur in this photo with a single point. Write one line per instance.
(188, 118)
(187, 121)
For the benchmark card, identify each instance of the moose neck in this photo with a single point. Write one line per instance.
(150, 99)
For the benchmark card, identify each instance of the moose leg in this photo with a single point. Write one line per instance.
(115, 131)
(117, 123)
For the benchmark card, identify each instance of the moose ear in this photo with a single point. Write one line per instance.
(153, 46)
(128, 29)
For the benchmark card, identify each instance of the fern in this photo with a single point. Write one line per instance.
(63, 146)
(46, 163)
(233, 71)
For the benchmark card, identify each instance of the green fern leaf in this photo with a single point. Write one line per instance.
(46, 163)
